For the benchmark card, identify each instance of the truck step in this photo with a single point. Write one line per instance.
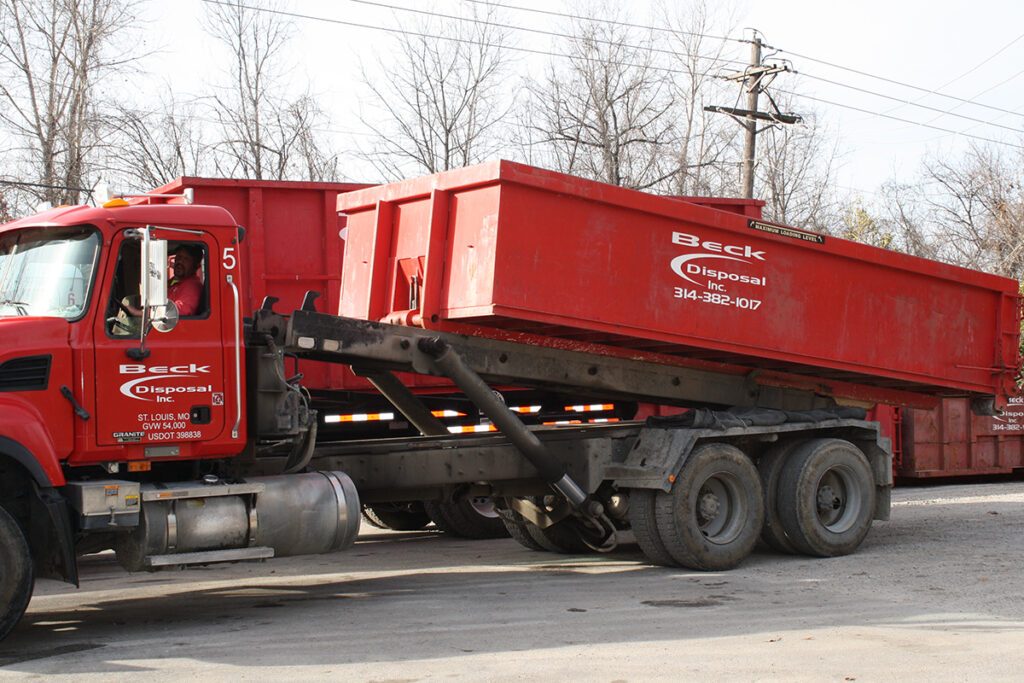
(210, 556)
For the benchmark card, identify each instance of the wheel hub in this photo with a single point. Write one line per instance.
(709, 506)
(828, 500)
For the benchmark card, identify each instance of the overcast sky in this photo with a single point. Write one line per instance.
(970, 50)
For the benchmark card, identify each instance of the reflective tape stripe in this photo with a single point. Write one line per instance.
(359, 417)
(470, 429)
(591, 408)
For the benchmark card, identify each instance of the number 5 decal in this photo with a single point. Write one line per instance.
(229, 258)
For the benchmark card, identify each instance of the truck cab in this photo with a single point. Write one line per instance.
(83, 380)
(122, 412)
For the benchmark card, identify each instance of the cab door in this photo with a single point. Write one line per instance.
(168, 394)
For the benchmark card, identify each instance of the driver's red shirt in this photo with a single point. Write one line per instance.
(186, 294)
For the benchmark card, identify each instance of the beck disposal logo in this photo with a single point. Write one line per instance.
(710, 268)
(160, 383)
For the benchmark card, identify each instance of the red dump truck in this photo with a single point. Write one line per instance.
(183, 437)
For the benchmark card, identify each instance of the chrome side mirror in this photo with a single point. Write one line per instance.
(165, 317)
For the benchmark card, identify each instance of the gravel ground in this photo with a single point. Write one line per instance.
(937, 593)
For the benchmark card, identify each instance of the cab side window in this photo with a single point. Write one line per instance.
(125, 295)
(186, 279)
(186, 285)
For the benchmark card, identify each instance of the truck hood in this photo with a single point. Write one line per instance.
(30, 336)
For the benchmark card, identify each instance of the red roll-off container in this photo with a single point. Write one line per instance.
(293, 244)
(951, 441)
(504, 249)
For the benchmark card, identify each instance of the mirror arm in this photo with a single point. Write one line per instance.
(144, 276)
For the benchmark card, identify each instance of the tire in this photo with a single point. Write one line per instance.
(645, 528)
(467, 518)
(438, 513)
(769, 467)
(519, 529)
(711, 518)
(826, 497)
(476, 518)
(397, 516)
(17, 573)
(541, 538)
(566, 538)
(562, 537)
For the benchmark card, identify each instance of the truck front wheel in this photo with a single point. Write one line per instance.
(16, 573)
(826, 497)
(711, 518)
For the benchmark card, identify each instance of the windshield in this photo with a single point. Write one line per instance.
(47, 271)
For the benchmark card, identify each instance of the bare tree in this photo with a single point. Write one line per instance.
(606, 113)
(313, 159)
(160, 145)
(975, 204)
(264, 134)
(704, 153)
(905, 220)
(796, 171)
(53, 54)
(439, 98)
(6, 210)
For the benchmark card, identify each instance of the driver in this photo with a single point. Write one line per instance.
(186, 289)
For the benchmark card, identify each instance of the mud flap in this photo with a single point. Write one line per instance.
(51, 537)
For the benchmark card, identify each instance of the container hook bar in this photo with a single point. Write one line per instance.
(448, 363)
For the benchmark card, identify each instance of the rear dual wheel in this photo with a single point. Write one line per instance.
(565, 536)
(16, 573)
(769, 467)
(645, 527)
(520, 530)
(826, 497)
(398, 516)
(711, 518)
(815, 497)
(470, 517)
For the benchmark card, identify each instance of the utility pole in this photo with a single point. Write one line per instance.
(755, 79)
(753, 82)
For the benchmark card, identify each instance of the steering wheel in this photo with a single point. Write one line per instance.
(114, 322)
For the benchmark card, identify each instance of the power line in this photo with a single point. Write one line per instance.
(48, 187)
(943, 112)
(901, 84)
(982, 63)
(607, 21)
(553, 34)
(974, 68)
(795, 54)
(298, 15)
(986, 90)
(826, 80)
(514, 48)
(901, 120)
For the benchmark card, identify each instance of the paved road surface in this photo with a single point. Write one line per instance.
(935, 594)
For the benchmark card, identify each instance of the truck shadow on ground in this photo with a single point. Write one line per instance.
(517, 601)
